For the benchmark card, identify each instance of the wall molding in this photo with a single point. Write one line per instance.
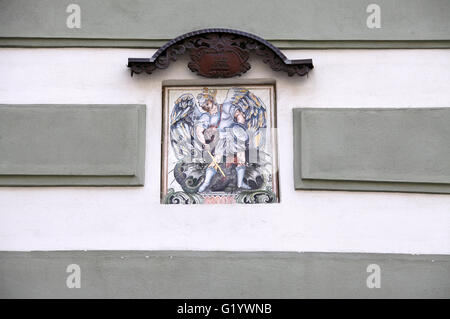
(201, 274)
(13, 42)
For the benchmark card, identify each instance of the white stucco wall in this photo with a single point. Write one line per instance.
(70, 218)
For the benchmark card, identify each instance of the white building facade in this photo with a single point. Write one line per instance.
(311, 232)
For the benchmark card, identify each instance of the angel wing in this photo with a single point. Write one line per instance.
(254, 112)
(181, 122)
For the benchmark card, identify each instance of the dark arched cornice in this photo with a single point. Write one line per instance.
(217, 53)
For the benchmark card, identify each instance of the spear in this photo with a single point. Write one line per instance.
(215, 164)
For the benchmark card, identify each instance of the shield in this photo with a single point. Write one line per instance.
(239, 133)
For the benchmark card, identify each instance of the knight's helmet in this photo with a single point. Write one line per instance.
(207, 95)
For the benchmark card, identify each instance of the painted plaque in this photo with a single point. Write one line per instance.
(219, 145)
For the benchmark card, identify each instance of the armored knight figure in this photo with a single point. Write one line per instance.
(228, 122)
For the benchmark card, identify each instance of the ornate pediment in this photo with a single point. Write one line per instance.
(219, 53)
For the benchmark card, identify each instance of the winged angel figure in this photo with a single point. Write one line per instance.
(220, 147)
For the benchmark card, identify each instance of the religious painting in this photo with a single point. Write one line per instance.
(219, 145)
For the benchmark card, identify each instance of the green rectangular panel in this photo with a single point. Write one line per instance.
(72, 144)
(290, 23)
(219, 274)
(372, 149)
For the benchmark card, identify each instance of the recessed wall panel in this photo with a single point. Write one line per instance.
(71, 144)
(373, 149)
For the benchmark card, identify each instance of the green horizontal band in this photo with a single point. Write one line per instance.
(154, 44)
